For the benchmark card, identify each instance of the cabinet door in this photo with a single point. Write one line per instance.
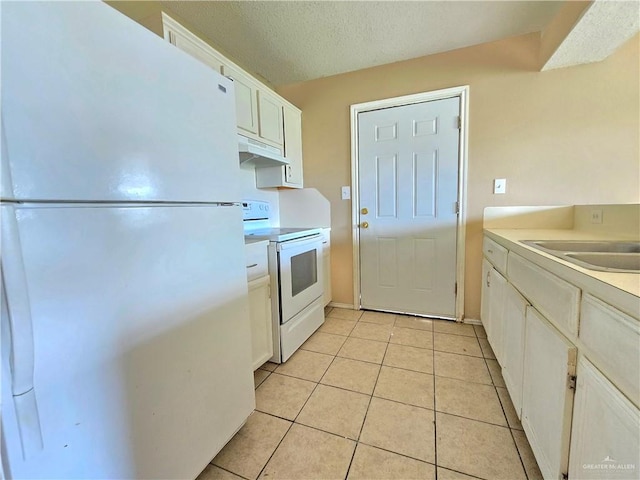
(326, 266)
(497, 289)
(246, 100)
(261, 326)
(293, 146)
(194, 47)
(547, 398)
(605, 439)
(515, 308)
(270, 118)
(485, 316)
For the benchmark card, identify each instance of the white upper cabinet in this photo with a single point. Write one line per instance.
(261, 114)
(289, 175)
(293, 146)
(177, 35)
(246, 100)
(270, 118)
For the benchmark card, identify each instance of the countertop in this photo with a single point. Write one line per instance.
(621, 289)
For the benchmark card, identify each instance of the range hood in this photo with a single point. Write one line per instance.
(258, 155)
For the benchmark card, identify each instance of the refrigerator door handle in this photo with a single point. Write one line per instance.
(16, 303)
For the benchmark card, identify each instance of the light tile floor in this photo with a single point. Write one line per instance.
(379, 396)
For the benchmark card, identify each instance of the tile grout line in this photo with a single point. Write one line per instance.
(435, 423)
(513, 438)
(293, 422)
(371, 396)
(368, 406)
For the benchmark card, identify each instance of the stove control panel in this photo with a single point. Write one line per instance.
(255, 210)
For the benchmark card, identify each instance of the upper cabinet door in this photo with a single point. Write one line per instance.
(293, 146)
(270, 119)
(246, 100)
(547, 398)
(192, 46)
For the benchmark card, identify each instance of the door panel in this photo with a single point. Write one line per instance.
(547, 400)
(408, 173)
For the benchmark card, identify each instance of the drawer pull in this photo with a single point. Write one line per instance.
(252, 265)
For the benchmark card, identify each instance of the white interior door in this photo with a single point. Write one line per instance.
(408, 187)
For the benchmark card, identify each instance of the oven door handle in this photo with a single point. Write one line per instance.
(317, 239)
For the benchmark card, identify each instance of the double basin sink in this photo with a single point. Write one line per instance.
(595, 255)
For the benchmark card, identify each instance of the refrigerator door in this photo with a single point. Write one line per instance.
(97, 108)
(141, 368)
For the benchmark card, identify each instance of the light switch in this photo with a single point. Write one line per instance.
(346, 193)
(500, 185)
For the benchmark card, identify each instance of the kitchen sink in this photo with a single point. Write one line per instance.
(610, 261)
(585, 246)
(595, 255)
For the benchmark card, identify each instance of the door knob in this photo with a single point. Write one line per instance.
(364, 224)
(364, 211)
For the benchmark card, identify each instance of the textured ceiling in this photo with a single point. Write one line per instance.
(598, 33)
(293, 41)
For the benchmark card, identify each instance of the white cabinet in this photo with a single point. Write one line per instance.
(271, 126)
(326, 264)
(259, 303)
(513, 344)
(547, 395)
(261, 113)
(611, 340)
(493, 292)
(186, 41)
(605, 438)
(246, 100)
(555, 298)
(289, 175)
(261, 326)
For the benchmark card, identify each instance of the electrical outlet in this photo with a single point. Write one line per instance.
(346, 193)
(596, 216)
(500, 185)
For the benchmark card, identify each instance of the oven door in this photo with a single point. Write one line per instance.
(300, 263)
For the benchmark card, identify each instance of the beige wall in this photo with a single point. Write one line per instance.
(567, 136)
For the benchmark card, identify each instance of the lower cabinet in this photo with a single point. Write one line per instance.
(493, 291)
(326, 264)
(260, 315)
(547, 394)
(606, 429)
(515, 309)
(580, 416)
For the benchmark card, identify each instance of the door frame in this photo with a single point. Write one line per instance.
(461, 92)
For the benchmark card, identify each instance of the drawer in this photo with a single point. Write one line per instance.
(256, 260)
(495, 253)
(611, 340)
(556, 299)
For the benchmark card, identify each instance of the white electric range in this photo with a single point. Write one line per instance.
(295, 268)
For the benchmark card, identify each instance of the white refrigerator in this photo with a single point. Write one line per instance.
(125, 327)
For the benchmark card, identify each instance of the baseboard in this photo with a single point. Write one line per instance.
(472, 321)
(341, 305)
